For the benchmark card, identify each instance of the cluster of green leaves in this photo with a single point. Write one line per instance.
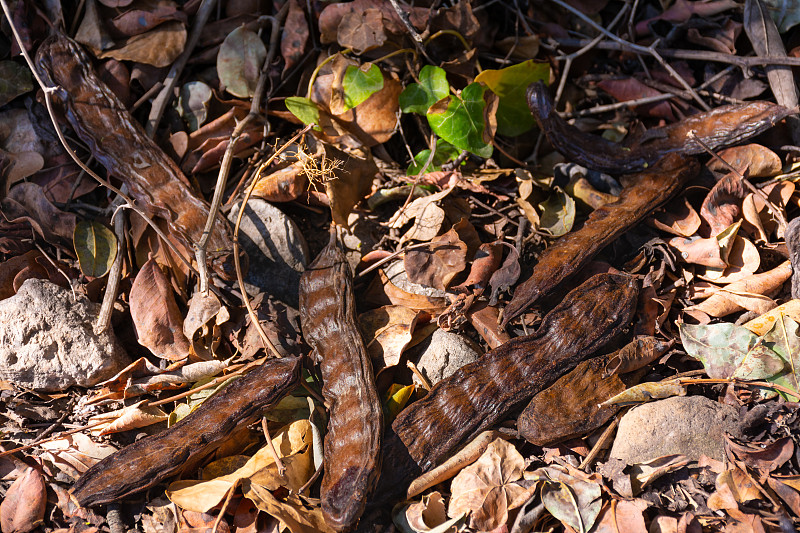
(463, 120)
(730, 351)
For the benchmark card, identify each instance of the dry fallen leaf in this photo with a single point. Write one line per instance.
(23, 506)
(158, 47)
(437, 265)
(155, 313)
(487, 488)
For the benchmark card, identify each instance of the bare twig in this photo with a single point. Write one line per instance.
(163, 98)
(237, 263)
(114, 275)
(227, 158)
(272, 450)
(48, 100)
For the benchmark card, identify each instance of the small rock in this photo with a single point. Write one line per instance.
(48, 343)
(688, 425)
(277, 250)
(445, 353)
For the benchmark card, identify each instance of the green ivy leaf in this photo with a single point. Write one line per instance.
(459, 120)
(432, 87)
(511, 86)
(730, 351)
(360, 84)
(558, 213)
(304, 109)
(96, 247)
(444, 152)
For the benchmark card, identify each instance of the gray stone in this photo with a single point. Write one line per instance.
(48, 343)
(687, 425)
(444, 354)
(277, 251)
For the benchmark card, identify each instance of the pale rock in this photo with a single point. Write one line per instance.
(445, 353)
(48, 342)
(687, 425)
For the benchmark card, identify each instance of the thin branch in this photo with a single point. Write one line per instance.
(227, 158)
(163, 98)
(114, 275)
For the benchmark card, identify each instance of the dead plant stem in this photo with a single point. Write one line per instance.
(227, 158)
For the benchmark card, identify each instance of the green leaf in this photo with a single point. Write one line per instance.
(239, 61)
(444, 152)
(558, 213)
(511, 86)
(14, 81)
(730, 351)
(304, 109)
(459, 120)
(784, 339)
(360, 84)
(96, 247)
(432, 87)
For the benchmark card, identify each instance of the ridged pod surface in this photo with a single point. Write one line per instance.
(355, 424)
(480, 394)
(148, 461)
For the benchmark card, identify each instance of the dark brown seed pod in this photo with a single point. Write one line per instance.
(353, 442)
(480, 394)
(570, 253)
(148, 461)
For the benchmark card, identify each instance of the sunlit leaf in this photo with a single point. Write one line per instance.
(784, 339)
(727, 350)
(193, 103)
(510, 84)
(558, 213)
(360, 84)
(96, 247)
(304, 109)
(432, 87)
(459, 120)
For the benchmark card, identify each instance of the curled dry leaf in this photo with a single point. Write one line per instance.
(487, 488)
(27, 202)
(158, 47)
(645, 392)
(749, 293)
(387, 331)
(295, 35)
(437, 265)
(426, 516)
(23, 506)
(505, 276)
(155, 314)
(292, 443)
(678, 218)
(239, 62)
(752, 160)
(427, 215)
(759, 219)
(570, 495)
(762, 324)
(722, 206)
(74, 454)
(134, 416)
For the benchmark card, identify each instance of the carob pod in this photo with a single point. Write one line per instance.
(792, 236)
(148, 461)
(480, 394)
(353, 443)
(570, 406)
(120, 144)
(571, 252)
(724, 126)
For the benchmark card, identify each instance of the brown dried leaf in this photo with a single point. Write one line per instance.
(763, 459)
(428, 217)
(484, 265)
(382, 291)
(158, 47)
(23, 506)
(633, 89)
(147, 15)
(506, 276)
(723, 204)
(348, 183)
(758, 218)
(27, 202)
(134, 416)
(748, 293)
(699, 251)
(487, 487)
(361, 31)
(283, 185)
(295, 35)
(752, 160)
(387, 331)
(678, 218)
(155, 314)
(437, 265)
(74, 454)
(622, 515)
